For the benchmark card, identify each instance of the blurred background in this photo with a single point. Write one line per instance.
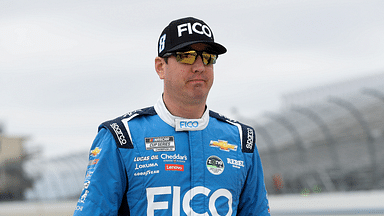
(307, 75)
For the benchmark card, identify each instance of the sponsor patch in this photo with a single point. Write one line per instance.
(146, 158)
(119, 133)
(93, 162)
(223, 145)
(95, 152)
(174, 167)
(196, 27)
(148, 165)
(165, 143)
(86, 184)
(89, 173)
(148, 172)
(83, 197)
(215, 165)
(190, 124)
(79, 208)
(235, 163)
(250, 139)
(174, 158)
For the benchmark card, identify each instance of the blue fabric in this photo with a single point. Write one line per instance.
(206, 172)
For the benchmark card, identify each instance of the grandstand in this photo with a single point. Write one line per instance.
(59, 178)
(325, 139)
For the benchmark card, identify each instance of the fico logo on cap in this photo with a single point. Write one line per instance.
(184, 32)
(195, 27)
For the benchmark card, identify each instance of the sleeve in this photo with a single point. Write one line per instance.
(253, 198)
(105, 179)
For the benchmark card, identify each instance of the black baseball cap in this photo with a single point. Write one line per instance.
(184, 32)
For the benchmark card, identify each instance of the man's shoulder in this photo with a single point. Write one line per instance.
(118, 128)
(247, 133)
(130, 115)
(139, 112)
(223, 118)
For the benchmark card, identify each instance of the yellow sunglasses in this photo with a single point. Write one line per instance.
(189, 57)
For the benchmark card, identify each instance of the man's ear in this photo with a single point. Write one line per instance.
(160, 67)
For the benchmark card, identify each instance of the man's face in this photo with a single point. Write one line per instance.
(187, 83)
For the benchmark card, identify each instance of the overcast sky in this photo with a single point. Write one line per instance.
(67, 66)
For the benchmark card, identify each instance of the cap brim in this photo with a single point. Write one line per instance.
(215, 47)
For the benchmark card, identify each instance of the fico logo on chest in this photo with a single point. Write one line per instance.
(195, 27)
(188, 196)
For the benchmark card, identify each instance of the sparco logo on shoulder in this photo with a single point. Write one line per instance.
(249, 138)
(119, 133)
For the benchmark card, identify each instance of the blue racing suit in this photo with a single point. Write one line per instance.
(149, 162)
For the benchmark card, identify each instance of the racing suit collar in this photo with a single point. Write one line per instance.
(179, 123)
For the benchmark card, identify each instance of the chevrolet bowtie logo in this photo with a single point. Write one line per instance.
(95, 151)
(223, 145)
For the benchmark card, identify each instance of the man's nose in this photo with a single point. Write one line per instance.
(198, 65)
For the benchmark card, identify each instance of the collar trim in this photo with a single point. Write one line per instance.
(179, 123)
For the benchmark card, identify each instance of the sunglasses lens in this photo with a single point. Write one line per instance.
(189, 57)
(209, 59)
(186, 57)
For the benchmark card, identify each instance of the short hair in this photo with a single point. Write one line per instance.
(166, 59)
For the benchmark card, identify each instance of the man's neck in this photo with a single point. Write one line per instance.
(185, 110)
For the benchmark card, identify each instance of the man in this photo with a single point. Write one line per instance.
(178, 157)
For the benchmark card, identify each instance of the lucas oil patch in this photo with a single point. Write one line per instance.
(215, 165)
(165, 143)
